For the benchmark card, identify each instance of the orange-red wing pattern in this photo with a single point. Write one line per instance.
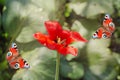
(14, 59)
(106, 30)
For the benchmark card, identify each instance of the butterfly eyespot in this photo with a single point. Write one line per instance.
(14, 45)
(112, 24)
(17, 66)
(107, 16)
(94, 36)
(26, 65)
(104, 35)
(9, 54)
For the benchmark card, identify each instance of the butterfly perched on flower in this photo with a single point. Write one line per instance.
(106, 30)
(14, 58)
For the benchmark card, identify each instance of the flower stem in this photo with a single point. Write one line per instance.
(57, 66)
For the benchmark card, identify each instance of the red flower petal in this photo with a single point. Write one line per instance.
(69, 41)
(53, 29)
(67, 50)
(64, 34)
(40, 37)
(77, 36)
(44, 39)
(51, 44)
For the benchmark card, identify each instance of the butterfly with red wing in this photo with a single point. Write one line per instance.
(106, 30)
(101, 33)
(14, 58)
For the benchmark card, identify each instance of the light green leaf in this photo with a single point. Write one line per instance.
(78, 7)
(77, 26)
(42, 65)
(22, 18)
(117, 6)
(100, 59)
(117, 57)
(91, 8)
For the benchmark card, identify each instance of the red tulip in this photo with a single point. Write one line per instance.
(59, 39)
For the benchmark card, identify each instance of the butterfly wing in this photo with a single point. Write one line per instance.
(111, 27)
(23, 63)
(98, 33)
(14, 64)
(106, 30)
(101, 33)
(108, 23)
(14, 59)
(107, 20)
(12, 53)
(19, 62)
(106, 34)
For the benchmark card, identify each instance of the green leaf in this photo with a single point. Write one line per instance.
(22, 18)
(67, 11)
(69, 57)
(100, 59)
(42, 65)
(78, 7)
(77, 71)
(3, 65)
(0, 20)
(79, 27)
(2, 2)
(72, 70)
(91, 8)
(65, 67)
(117, 6)
(117, 57)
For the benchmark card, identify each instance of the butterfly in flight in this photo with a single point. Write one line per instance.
(14, 58)
(106, 30)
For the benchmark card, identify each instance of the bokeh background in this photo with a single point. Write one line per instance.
(97, 59)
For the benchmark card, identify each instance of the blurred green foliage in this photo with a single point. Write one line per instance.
(97, 59)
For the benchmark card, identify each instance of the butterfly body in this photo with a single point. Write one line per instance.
(14, 58)
(106, 30)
